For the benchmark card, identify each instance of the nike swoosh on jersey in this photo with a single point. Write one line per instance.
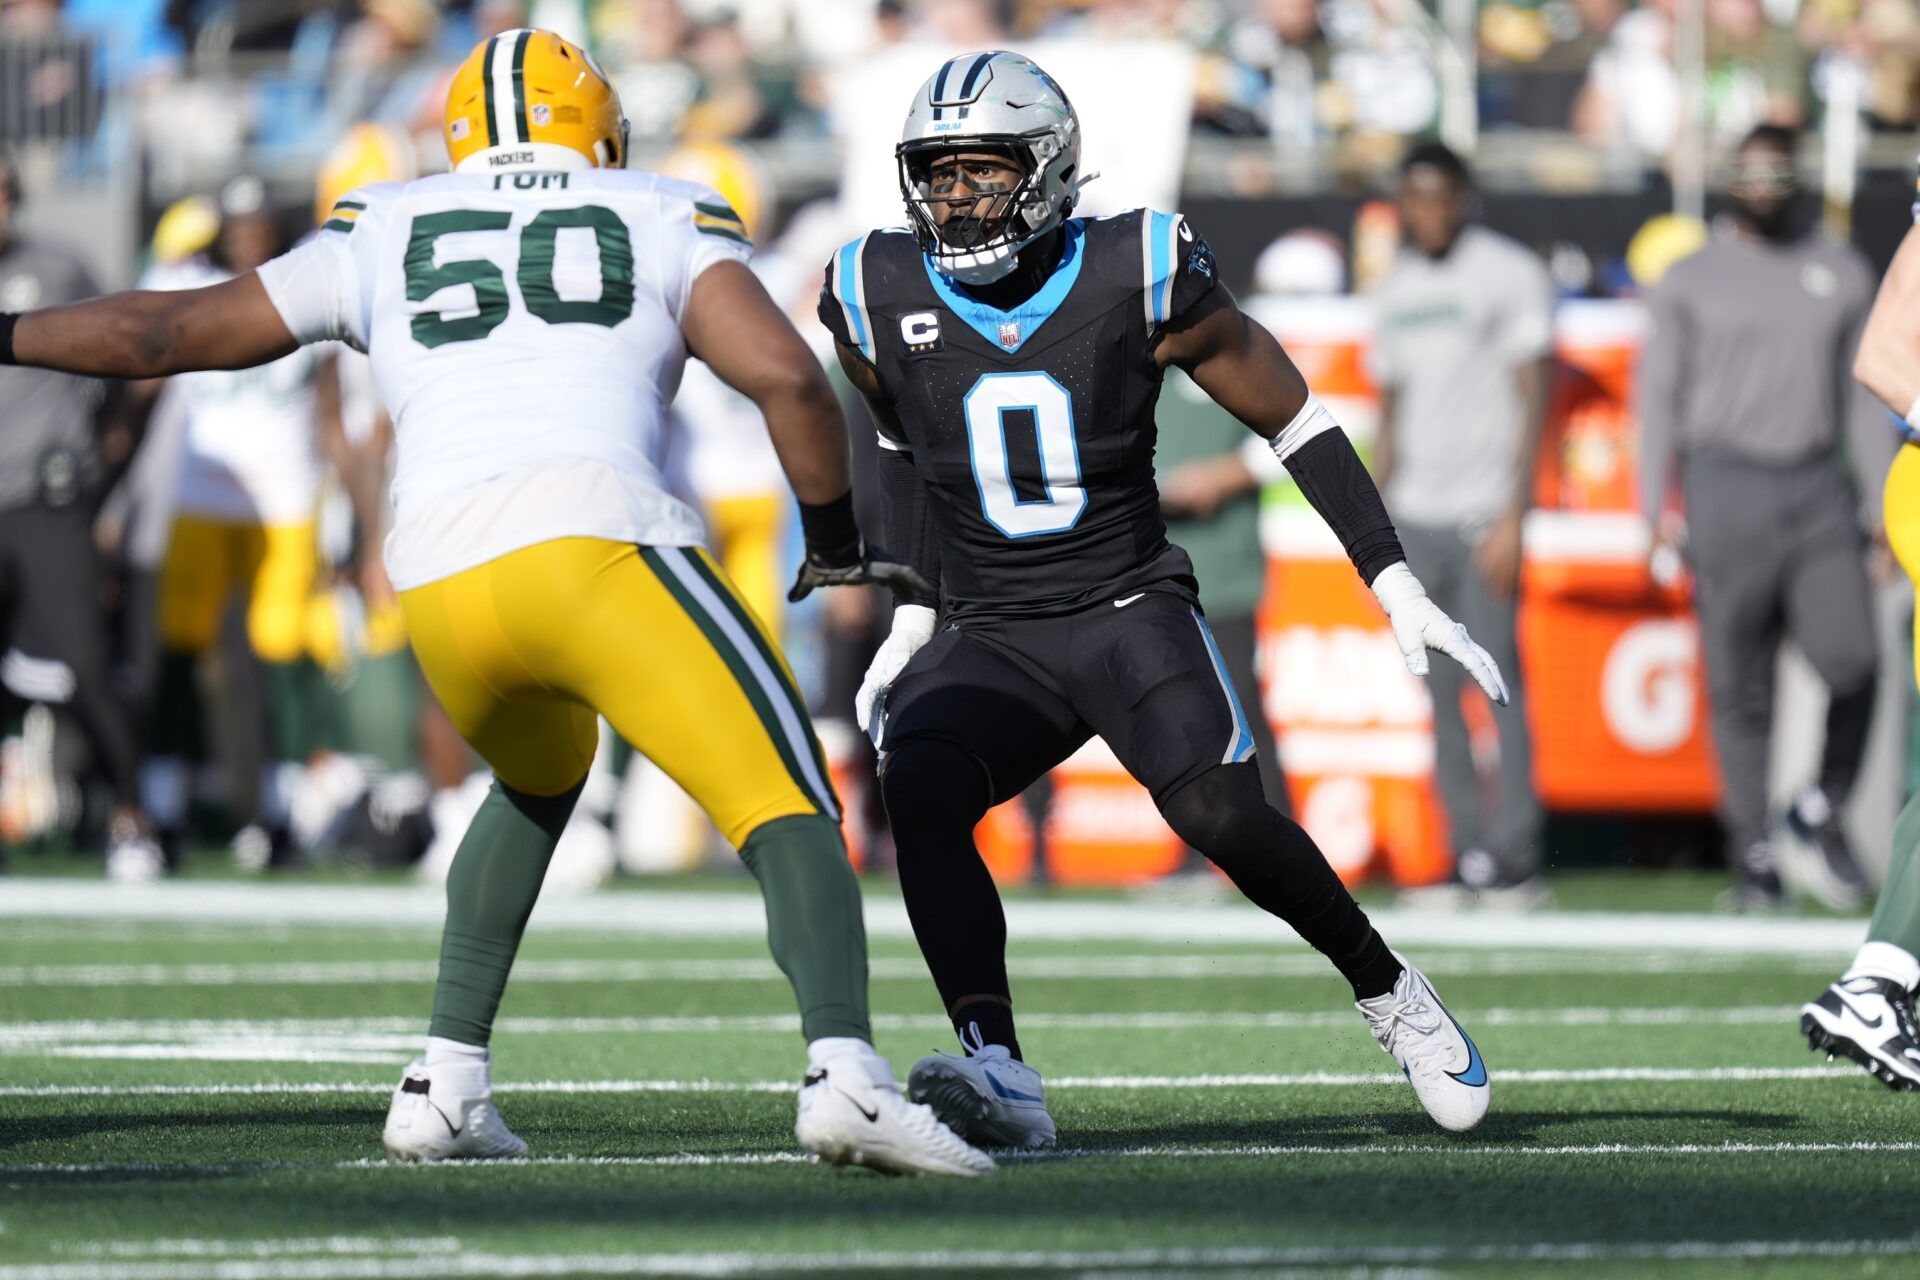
(1121, 604)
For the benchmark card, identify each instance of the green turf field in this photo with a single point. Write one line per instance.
(200, 1093)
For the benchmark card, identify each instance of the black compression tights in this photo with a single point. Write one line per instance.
(1224, 814)
(936, 793)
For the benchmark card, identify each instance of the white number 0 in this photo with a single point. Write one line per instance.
(988, 404)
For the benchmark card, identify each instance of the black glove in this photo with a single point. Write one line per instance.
(867, 565)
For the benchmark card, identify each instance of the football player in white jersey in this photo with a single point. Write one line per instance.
(244, 509)
(528, 316)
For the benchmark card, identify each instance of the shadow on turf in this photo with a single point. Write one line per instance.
(36, 1129)
(1361, 1130)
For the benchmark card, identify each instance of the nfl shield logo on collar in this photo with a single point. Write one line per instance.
(1009, 334)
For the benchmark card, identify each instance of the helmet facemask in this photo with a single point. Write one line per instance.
(975, 247)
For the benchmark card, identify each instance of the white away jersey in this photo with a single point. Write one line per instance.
(525, 336)
(251, 451)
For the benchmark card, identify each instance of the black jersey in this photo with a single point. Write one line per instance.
(1032, 428)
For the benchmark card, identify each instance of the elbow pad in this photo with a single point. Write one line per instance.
(1335, 481)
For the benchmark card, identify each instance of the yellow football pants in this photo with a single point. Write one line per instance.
(1901, 503)
(524, 651)
(274, 565)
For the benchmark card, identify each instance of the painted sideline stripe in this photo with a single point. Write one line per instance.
(381, 1032)
(741, 914)
(1292, 965)
(477, 1263)
(1587, 1075)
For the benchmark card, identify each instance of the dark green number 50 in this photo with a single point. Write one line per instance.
(535, 274)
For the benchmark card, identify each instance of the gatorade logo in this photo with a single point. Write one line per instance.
(1647, 688)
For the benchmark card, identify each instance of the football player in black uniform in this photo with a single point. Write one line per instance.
(1012, 355)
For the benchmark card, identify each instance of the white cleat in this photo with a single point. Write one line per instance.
(1870, 1020)
(850, 1113)
(421, 1129)
(986, 1097)
(135, 858)
(1443, 1064)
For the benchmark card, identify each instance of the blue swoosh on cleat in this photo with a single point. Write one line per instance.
(1475, 1076)
(1014, 1095)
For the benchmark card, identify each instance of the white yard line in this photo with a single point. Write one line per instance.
(740, 914)
(387, 1032)
(392, 1041)
(344, 972)
(1317, 1079)
(479, 1263)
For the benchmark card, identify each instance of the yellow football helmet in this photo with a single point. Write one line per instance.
(367, 154)
(527, 99)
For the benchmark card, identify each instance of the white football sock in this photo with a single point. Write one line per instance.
(456, 1070)
(840, 1048)
(1884, 960)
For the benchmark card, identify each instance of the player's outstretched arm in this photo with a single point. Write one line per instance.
(1888, 362)
(907, 514)
(733, 325)
(149, 334)
(1247, 372)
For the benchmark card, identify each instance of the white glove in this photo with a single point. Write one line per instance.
(912, 627)
(1419, 625)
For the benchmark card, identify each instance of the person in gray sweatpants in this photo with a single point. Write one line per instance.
(1462, 350)
(1745, 382)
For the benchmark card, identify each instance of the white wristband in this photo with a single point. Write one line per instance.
(914, 622)
(1312, 420)
(1395, 586)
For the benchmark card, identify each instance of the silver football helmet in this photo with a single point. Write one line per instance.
(990, 101)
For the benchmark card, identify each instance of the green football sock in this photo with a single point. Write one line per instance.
(1896, 918)
(298, 703)
(380, 710)
(813, 921)
(491, 888)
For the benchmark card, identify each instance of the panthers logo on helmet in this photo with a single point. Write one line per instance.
(527, 99)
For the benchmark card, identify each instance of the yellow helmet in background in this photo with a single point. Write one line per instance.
(730, 171)
(187, 227)
(366, 155)
(1661, 241)
(527, 99)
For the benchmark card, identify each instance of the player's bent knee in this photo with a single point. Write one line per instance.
(931, 779)
(1224, 814)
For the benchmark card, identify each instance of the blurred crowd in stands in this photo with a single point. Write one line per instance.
(1300, 71)
(157, 121)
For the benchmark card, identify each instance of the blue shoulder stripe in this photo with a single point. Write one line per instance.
(849, 288)
(1157, 230)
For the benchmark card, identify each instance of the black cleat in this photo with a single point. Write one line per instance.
(1870, 1020)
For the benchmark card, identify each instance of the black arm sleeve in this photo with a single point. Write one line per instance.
(1335, 481)
(907, 521)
